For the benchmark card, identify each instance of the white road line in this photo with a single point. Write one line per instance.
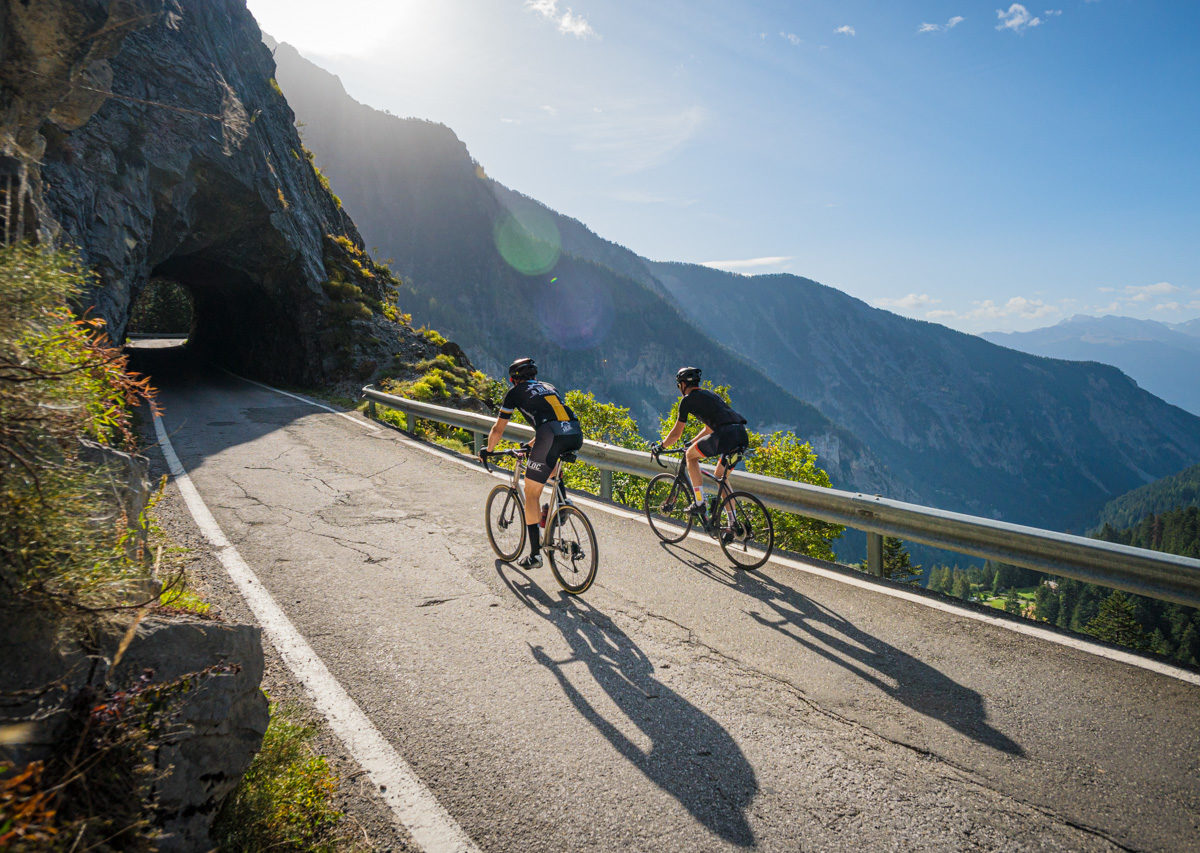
(414, 805)
(1030, 629)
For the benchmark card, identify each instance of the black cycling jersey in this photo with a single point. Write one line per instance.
(709, 408)
(538, 401)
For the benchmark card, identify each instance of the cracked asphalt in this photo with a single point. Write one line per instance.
(679, 704)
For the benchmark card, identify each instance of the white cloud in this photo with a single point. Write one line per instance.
(941, 314)
(1168, 306)
(793, 38)
(1147, 292)
(747, 264)
(907, 302)
(1017, 18)
(846, 30)
(941, 28)
(568, 22)
(1018, 306)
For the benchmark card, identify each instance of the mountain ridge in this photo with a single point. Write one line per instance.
(1163, 358)
(958, 422)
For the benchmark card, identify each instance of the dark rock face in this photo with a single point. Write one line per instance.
(218, 715)
(191, 169)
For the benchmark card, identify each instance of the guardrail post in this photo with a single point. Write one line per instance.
(478, 442)
(875, 553)
(410, 422)
(371, 410)
(605, 484)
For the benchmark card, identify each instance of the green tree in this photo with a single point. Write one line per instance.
(1045, 605)
(939, 579)
(611, 424)
(1115, 622)
(897, 564)
(1012, 602)
(163, 307)
(783, 455)
(961, 585)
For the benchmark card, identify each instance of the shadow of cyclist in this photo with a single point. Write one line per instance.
(691, 756)
(823, 631)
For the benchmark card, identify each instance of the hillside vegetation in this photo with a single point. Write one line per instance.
(892, 406)
(1178, 490)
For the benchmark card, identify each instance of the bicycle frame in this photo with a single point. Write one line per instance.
(558, 491)
(727, 461)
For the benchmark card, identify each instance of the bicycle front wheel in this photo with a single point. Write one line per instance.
(667, 502)
(571, 547)
(504, 518)
(744, 530)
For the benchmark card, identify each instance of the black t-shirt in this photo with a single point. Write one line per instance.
(709, 408)
(538, 401)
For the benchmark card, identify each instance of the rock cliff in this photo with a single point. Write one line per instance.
(151, 135)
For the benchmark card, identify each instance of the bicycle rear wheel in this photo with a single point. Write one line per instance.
(572, 549)
(667, 501)
(504, 518)
(744, 530)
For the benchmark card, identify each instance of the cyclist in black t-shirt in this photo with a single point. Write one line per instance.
(556, 431)
(724, 430)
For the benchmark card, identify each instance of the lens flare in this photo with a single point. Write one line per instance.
(528, 240)
(575, 311)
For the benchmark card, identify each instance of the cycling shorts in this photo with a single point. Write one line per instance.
(724, 439)
(550, 441)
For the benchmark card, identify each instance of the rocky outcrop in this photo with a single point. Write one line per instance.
(214, 714)
(217, 727)
(151, 135)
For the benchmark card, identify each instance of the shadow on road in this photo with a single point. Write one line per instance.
(691, 756)
(823, 631)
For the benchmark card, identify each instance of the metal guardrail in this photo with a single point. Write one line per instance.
(1149, 573)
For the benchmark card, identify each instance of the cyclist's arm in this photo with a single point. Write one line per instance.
(706, 431)
(497, 431)
(673, 435)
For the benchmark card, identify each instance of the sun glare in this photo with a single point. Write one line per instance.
(346, 28)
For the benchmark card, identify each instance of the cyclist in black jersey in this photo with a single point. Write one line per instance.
(724, 430)
(556, 431)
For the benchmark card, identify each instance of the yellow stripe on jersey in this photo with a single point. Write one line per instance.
(557, 406)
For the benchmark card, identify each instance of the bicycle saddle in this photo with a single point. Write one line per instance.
(569, 456)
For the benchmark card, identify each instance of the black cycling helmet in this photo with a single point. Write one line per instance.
(522, 369)
(688, 375)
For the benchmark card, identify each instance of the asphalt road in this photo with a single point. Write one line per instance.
(679, 704)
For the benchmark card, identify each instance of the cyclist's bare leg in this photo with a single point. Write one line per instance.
(694, 455)
(533, 501)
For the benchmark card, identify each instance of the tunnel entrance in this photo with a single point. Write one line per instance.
(164, 310)
(218, 314)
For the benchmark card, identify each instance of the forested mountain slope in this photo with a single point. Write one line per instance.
(959, 423)
(980, 427)
(498, 272)
(1174, 492)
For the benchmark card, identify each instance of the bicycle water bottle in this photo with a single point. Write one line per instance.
(545, 511)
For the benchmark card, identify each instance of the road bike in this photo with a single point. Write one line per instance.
(741, 522)
(569, 540)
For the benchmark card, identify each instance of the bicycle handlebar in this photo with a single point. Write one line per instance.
(667, 451)
(513, 452)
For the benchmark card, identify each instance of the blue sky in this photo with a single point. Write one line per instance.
(984, 165)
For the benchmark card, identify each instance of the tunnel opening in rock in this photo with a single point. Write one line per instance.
(164, 310)
(245, 323)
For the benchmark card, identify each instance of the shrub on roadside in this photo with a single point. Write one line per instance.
(285, 800)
